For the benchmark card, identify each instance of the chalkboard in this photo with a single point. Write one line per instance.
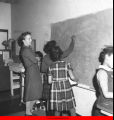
(93, 32)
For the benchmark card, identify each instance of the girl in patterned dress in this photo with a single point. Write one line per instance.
(46, 62)
(62, 97)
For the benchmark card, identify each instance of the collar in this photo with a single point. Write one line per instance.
(105, 68)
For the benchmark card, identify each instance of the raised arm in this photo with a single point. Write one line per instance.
(67, 52)
(103, 80)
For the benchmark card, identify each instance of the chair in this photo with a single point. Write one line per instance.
(16, 78)
(14, 81)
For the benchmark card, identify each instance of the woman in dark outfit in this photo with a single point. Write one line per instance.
(33, 82)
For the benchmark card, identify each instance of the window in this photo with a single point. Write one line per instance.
(3, 37)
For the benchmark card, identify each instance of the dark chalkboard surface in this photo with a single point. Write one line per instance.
(92, 32)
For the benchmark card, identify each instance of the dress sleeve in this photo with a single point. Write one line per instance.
(67, 52)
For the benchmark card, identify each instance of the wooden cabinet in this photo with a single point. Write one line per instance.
(4, 78)
(4, 57)
(4, 71)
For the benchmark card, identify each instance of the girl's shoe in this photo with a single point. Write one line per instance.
(28, 115)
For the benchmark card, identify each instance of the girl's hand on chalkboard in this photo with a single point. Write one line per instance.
(73, 37)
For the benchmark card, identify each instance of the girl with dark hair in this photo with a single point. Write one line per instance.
(33, 82)
(47, 62)
(61, 97)
(49, 45)
(104, 77)
(47, 49)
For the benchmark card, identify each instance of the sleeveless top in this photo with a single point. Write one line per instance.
(102, 101)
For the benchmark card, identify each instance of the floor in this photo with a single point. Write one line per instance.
(10, 105)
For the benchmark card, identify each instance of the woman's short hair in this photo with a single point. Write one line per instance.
(22, 37)
(56, 53)
(39, 54)
(48, 46)
(106, 51)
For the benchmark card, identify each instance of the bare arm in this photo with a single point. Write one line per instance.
(103, 80)
(71, 75)
(49, 76)
(67, 52)
(49, 79)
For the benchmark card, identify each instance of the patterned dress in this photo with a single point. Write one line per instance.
(62, 97)
(45, 66)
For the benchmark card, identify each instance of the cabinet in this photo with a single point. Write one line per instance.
(4, 78)
(4, 71)
(4, 57)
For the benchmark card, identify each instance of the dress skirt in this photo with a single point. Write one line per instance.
(62, 97)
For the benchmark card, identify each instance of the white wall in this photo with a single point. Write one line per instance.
(85, 100)
(37, 15)
(5, 17)
(5, 21)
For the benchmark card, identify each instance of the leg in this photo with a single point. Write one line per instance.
(31, 105)
(57, 113)
(28, 112)
(97, 112)
(73, 112)
(22, 87)
(65, 113)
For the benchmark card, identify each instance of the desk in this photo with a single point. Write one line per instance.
(106, 113)
(17, 72)
(106, 108)
(4, 78)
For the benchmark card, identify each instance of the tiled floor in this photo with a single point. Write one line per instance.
(22, 113)
(9, 104)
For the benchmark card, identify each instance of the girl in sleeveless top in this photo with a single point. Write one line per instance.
(104, 78)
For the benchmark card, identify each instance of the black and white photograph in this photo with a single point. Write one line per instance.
(56, 58)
